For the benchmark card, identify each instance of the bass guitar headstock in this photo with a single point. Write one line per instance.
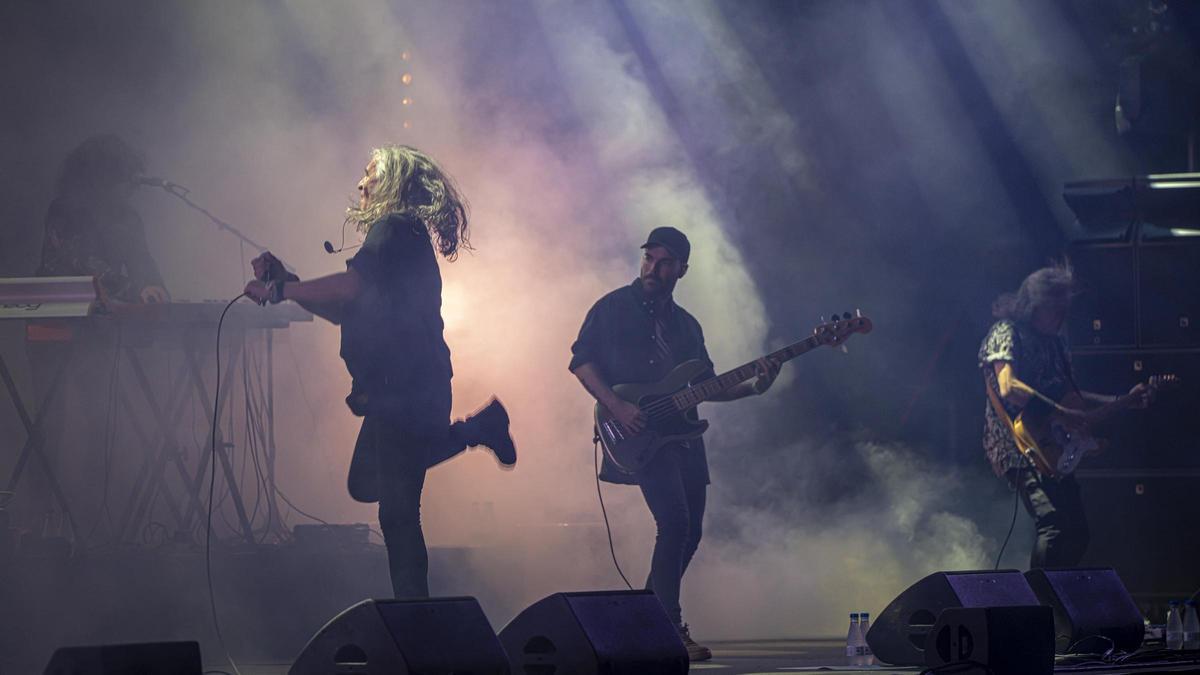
(840, 328)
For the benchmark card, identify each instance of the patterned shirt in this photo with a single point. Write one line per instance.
(102, 240)
(1040, 361)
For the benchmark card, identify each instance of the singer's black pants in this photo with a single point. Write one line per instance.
(390, 459)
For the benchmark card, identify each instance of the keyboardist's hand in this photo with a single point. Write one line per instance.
(154, 295)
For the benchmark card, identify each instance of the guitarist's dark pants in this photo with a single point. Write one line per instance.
(674, 484)
(1057, 510)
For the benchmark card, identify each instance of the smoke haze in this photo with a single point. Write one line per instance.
(821, 156)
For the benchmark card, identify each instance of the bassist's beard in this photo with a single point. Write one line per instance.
(660, 289)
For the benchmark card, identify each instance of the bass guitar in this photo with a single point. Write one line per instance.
(669, 404)
(1055, 443)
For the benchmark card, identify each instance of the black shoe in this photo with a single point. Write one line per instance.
(695, 652)
(490, 427)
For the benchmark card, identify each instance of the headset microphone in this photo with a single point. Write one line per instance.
(330, 249)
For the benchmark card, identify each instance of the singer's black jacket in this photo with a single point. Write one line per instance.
(392, 333)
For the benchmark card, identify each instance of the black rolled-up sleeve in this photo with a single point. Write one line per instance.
(587, 346)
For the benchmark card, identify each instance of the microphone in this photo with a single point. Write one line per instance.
(330, 249)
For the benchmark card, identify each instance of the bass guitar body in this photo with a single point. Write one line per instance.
(669, 405)
(1053, 443)
(665, 424)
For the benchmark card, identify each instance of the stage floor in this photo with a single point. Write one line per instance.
(272, 599)
(730, 657)
(781, 656)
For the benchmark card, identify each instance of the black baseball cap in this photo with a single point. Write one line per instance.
(672, 239)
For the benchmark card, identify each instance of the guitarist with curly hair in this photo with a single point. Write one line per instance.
(1027, 368)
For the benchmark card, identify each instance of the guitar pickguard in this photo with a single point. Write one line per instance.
(1073, 446)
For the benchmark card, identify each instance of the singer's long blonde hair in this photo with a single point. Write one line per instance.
(411, 184)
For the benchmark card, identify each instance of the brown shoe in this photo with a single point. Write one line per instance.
(696, 652)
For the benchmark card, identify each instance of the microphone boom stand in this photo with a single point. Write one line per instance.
(182, 193)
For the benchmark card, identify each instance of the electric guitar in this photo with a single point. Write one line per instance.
(669, 405)
(1056, 443)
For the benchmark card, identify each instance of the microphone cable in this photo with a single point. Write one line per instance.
(607, 528)
(212, 481)
(1011, 525)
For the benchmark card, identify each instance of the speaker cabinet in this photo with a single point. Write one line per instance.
(1169, 294)
(899, 634)
(992, 641)
(1092, 610)
(160, 658)
(605, 632)
(1103, 314)
(398, 637)
(1143, 525)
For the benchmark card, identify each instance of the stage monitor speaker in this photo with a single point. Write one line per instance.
(609, 632)
(399, 637)
(992, 640)
(159, 658)
(1092, 610)
(898, 635)
(1103, 314)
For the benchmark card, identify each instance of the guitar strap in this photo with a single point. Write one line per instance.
(1003, 414)
(997, 405)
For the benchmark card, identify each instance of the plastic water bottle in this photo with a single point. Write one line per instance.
(1174, 626)
(1191, 627)
(864, 625)
(853, 640)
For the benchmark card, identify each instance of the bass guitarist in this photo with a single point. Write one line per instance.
(637, 333)
(1027, 369)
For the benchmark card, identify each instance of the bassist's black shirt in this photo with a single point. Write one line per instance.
(618, 338)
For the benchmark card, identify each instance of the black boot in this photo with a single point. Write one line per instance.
(489, 427)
